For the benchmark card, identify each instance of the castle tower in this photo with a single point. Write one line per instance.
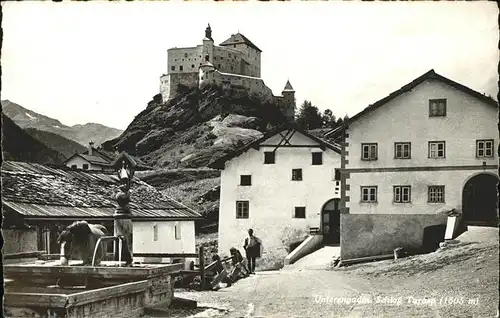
(208, 44)
(206, 74)
(288, 101)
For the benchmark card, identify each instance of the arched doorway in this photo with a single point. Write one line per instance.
(479, 200)
(330, 222)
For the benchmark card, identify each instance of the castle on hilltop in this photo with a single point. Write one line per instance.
(235, 64)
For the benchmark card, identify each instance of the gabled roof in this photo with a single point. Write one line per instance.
(105, 154)
(219, 163)
(239, 38)
(106, 159)
(288, 87)
(40, 191)
(408, 87)
(95, 160)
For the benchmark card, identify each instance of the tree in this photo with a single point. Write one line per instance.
(328, 119)
(309, 116)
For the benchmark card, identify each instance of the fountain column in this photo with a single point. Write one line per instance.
(123, 226)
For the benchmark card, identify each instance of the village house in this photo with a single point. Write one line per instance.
(426, 148)
(285, 186)
(97, 159)
(39, 201)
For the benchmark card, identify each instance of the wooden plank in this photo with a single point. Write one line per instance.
(35, 300)
(202, 266)
(167, 255)
(101, 294)
(24, 255)
(27, 270)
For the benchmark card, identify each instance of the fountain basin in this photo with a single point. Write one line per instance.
(102, 291)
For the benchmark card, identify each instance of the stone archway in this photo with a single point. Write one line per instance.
(330, 222)
(479, 200)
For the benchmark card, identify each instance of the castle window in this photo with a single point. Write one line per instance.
(172, 68)
(297, 174)
(192, 65)
(180, 68)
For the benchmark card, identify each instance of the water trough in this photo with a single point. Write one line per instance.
(47, 289)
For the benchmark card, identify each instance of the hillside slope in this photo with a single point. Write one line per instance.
(196, 127)
(82, 134)
(64, 146)
(19, 146)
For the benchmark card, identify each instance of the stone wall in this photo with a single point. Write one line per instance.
(378, 234)
(168, 86)
(17, 241)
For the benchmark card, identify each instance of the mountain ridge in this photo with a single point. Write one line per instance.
(80, 133)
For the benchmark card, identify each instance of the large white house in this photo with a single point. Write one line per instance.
(428, 146)
(283, 186)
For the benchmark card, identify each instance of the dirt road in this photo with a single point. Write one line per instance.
(458, 281)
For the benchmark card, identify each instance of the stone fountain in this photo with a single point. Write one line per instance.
(116, 288)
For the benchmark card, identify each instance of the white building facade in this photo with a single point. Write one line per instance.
(429, 147)
(283, 186)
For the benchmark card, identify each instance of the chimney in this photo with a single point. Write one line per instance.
(91, 144)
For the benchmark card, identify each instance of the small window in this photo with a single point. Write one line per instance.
(402, 194)
(185, 55)
(300, 212)
(181, 68)
(297, 174)
(369, 151)
(192, 65)
(177, 230)
(229, 54)
(155, 232)
(437, 149)
(218, 65)
(337, 174)
(85, 166)
(269, 157)
(231, 68)
(317, 158)
(245, 180)
(436, 194)
(172, 68)
(74, 167)
(402, 150)
(369, 194)
(437, 107)
(484, 148)
(242, 209)
(234, 45)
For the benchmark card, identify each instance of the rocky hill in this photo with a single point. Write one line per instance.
(19, 146)
(196, 127)
(64, 146)
(82, 134)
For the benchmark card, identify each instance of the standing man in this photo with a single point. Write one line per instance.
(252, 247)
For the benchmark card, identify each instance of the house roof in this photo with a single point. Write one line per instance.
(408, 87)
(41, 191)
(219, 163)
(239, 38)
(106, 159)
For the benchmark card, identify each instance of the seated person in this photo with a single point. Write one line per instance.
(239, 264)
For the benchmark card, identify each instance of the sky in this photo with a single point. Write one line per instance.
(101, 62)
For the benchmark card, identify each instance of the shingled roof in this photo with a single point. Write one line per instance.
(430, 75)
(38, 191)
(219, 163)
(239, 38)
